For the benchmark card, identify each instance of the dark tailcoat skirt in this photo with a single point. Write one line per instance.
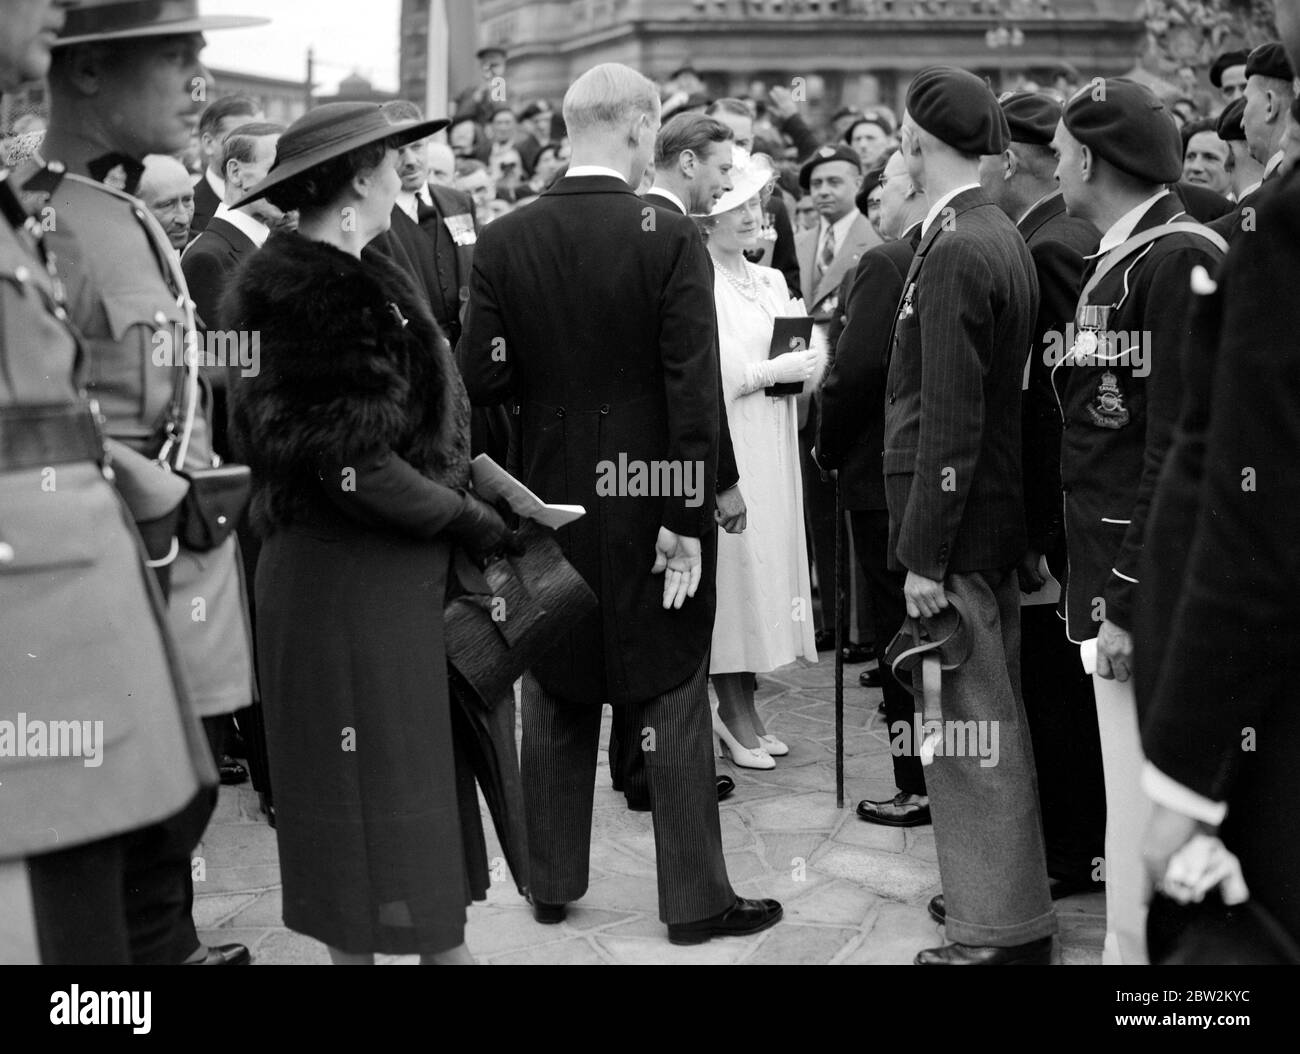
(1119, 419)
(1227, 660)
(356, 429)
(1058, 693)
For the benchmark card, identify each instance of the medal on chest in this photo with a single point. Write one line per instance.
(906, 309)
(461, 228)
(1090, 343)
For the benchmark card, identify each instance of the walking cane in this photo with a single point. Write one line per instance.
(841, 635)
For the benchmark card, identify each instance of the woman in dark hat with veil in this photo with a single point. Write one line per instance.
(356, 428)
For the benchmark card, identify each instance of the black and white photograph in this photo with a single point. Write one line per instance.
(650, 482)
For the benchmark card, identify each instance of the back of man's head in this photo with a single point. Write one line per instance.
(227, 106)
(605, 98)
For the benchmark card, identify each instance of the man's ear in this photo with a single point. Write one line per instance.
(83, 67)
(1010, 164)
(1087, 163)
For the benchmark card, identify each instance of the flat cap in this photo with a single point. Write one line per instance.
(1230, 128)
(1031, 116)
(1225, 62)
(1269, 60)
(827, 154)
(958, 108)
(1124, 123)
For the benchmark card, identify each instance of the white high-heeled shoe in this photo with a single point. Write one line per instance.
(773, 746)
(743, 756)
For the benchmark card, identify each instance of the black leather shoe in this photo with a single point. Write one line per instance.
(824, 640)
(232, 773)
(870, 678)
(725, 786)
(741, 919)
(639, 804)
(855, 653)
(224, 955)
(1035, 953)
(549, 914)
(902, 810)
(937, 910)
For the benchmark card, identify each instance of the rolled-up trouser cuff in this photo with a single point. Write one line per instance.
(1000, 936)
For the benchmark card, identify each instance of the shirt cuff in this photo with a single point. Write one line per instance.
(1163, 790)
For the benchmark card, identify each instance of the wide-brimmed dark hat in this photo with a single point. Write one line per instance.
(329, 131)
(91, 21)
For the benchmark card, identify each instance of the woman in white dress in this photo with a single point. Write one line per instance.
(764, 612)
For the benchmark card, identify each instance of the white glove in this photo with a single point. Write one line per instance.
(792, 367)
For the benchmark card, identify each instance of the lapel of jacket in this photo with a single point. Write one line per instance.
(805, 249)
(1040, 214)
(856, 242)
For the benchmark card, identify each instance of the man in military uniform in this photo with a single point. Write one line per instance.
(84, 643)
(1057, 692)
(956, 518)
(121, 80)
(1119, 387)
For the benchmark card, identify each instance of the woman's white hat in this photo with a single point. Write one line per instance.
(750, 173)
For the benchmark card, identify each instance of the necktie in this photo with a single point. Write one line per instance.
(827, 256)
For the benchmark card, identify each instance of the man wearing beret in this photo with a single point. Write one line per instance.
(1119, 386)
(828, 252)
(1057, 693)
(1270, 90)
(1246, 173)
(956, 517)
(1228, 74)
(122, 83)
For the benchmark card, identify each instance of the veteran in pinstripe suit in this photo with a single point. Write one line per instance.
(594, 309)
(953, 487)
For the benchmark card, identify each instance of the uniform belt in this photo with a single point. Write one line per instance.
(52, 434)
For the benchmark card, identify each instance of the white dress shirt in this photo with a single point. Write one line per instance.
(409, 200)
(942, 204)
(1122, 229)
(664, 192)
(254, 229)
(593, 170)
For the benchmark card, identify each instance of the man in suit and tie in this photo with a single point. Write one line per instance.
(1057, 692)
(851, 441)
(832, 177)
(594, 310)
(232, 234)
(218, 119)
(956, 516)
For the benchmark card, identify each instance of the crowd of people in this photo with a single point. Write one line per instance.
(1037, 347)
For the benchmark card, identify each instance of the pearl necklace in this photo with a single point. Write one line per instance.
(746, 284)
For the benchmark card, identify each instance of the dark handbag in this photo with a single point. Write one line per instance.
(213, 505)
(510, 615)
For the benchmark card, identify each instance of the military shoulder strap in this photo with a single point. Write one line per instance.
(1126, 249)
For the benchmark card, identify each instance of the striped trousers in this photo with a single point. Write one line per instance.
(558, 755)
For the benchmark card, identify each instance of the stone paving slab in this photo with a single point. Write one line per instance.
(854, 893)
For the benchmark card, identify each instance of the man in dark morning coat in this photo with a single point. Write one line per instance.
(1220, 720)
(1057, 692)
(594, 310)
(692, 171)
(956, 516)
(1119, 384)
(851, 441)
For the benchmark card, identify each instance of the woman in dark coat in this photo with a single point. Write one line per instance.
(356, 428)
